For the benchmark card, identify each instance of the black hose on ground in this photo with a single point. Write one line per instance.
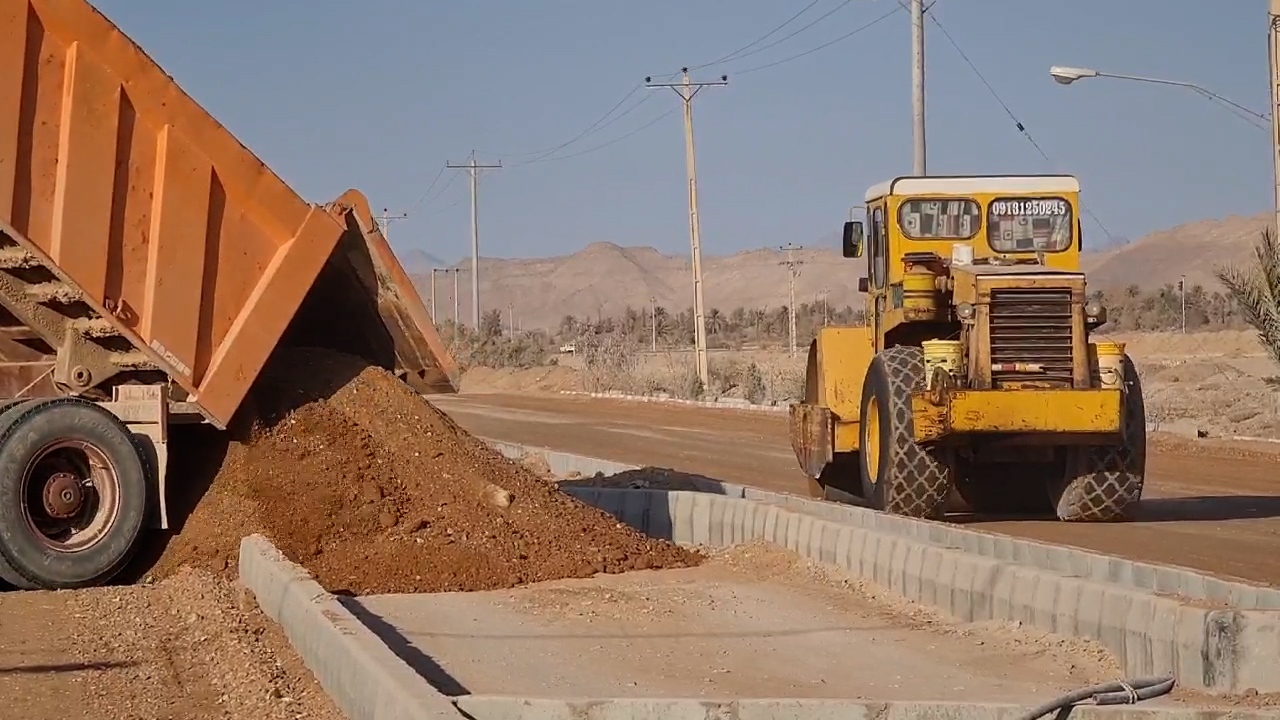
(1118, 692)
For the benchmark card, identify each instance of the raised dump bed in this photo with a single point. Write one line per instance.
(149, 266)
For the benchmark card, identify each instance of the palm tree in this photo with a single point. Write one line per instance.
(1256, 291)
(715, 321)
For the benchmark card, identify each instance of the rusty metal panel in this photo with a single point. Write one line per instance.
(811, 429)
(166, 226)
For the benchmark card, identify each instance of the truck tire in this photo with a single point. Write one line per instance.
(9, 411)
(1102, 483)
(899, 475)
(74, 494)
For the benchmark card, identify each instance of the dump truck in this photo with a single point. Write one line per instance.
(976, 371)
(150, 264)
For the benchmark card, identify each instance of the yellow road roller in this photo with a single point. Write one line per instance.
(976, 370)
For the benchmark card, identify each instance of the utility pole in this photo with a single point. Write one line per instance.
(653, 323)
(917, 87)
(1182, 297)
(511, 319)
(1273, 17)
(792, 270)
(456, 319)
(474, 168)
(433, 293)
(385, 220)
(687, 90)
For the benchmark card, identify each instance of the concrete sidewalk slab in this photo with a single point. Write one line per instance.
(1157, 620)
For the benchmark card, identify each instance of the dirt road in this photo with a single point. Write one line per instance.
(1217, 512)
(184, 649)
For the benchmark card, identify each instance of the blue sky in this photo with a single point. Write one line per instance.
(379, 94)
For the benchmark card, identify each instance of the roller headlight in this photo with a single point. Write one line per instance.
(964, 311)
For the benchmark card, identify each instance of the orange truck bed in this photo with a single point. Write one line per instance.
(143, 244)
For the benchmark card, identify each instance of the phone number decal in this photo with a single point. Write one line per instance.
(1030, 207)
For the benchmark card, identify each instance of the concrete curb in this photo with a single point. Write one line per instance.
(975, 577)
(366, 680)
(482, 707)
(722, 404)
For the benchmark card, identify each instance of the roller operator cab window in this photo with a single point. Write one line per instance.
(1019, 225)
(939, 218)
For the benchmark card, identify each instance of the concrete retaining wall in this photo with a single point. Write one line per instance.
(722, 403)
(1130, 607)
(507, 708)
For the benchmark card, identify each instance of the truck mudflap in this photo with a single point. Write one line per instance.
(811, 437)
(364, 303)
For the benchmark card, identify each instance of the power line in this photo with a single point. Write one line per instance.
(599, 124)
(823, 46)
(590, 150)
(758, 40)
(1017, 123)
(784, 38)
(430, 187)
(443, 189)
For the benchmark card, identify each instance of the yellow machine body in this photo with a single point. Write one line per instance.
(975, 283)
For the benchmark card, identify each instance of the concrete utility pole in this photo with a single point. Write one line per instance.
(456, 315)
(433, 293)
(474, 168)
(653, 324)
(792, 271)
(1273, 20)
(1182, 297)
(687, 90)
(917, 87)
(385, 220)
(511, 319)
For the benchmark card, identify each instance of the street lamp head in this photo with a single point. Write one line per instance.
(1067, 75)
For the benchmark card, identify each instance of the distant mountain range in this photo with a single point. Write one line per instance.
(603, 279)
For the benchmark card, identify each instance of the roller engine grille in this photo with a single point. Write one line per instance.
(1031, 326)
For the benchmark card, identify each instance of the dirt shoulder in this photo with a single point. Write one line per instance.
(191, 647)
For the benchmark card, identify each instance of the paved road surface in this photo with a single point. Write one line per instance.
(1218, 513)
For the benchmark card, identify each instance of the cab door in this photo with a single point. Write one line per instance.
(877, 271)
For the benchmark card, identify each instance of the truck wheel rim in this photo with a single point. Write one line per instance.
(872, 442)
(71, 493)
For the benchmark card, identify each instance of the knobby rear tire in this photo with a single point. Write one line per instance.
(907, 478)
(1103, 483)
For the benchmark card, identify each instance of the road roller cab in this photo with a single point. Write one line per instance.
(975, 370)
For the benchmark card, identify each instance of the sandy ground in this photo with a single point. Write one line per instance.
(1208, 382)
(191, 647)
(756, 621)
(1208, 506)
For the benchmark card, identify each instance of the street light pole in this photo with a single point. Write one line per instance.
(1065, 75)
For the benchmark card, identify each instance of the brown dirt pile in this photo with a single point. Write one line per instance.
(372, 489)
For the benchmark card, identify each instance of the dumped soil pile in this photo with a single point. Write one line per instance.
(371, 488)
